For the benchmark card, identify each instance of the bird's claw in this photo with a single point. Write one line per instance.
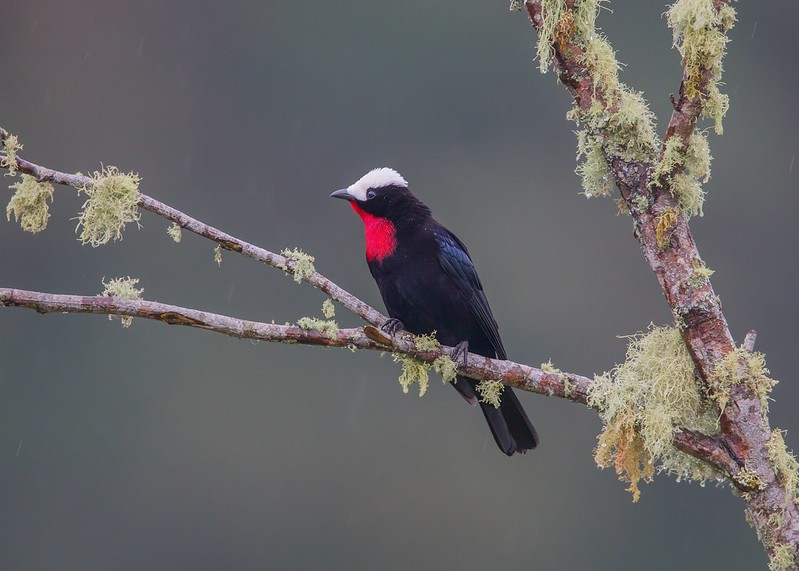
(392, 326)
(460, 353)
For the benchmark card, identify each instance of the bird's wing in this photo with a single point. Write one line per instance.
(455, 260)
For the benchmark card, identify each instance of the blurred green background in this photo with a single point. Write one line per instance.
(160, 447)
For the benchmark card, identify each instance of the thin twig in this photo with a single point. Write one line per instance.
(337, 293)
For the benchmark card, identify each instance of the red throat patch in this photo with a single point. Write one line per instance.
(381, 236)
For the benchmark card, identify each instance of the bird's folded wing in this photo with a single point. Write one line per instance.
(455, 260)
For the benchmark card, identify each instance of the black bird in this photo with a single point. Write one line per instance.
(428, 283)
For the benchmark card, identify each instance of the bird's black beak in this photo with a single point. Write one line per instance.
(342, 194)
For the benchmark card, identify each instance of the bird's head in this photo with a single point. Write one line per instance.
(382, 199)
(380, 192)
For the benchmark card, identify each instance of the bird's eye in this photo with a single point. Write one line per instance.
(370, 195)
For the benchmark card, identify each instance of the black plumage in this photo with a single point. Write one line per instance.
(428, 281)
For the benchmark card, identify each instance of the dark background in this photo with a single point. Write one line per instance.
(168, 448)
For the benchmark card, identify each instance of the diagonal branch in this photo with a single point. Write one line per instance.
(552, 383)
(629, 151)
(227, 241)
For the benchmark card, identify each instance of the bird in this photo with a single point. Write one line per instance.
(428, 283)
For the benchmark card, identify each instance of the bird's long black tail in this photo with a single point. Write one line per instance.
(512, 430)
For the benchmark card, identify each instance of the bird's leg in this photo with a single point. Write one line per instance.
(461, 353)
(392, 326)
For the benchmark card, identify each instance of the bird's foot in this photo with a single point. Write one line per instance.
(392, 326)
(461, 352)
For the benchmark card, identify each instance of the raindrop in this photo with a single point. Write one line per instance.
(790, 166)
(754, 29)
(19, 447)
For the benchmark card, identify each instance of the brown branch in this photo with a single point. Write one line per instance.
(337, 293)
(745, 431)
(559, 384)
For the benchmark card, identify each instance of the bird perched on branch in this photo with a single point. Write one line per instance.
(428, 283)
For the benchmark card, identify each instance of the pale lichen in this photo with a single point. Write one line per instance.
(122, 288)
(699, 31)
(218, 255)
(642, 402)
(11, 146)
(737, 367)
(413, 371)
(303, 264)
(29, 205)
(445, 367)
(782, 558)
(785, 464)
(750, 480)
(328, 308)
(594, 173)
(490, 392)
(112, 203)
(683, 169)
(622, 130)
(175, 232)
(700, 274)
(329, 328)
(427, 342)
(552, 11)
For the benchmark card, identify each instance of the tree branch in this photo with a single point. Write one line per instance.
(552, 383)
(745, 433)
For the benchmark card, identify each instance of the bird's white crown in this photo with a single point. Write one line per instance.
(376, 178)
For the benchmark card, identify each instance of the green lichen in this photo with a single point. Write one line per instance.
(688, 192)
(552, 11)
(218, 255)
(328, 328)
(600, 58)
(29, 205)
(595, 177)
(175, 232)
(749, 479)
(427, 342)
(303, 264)
(640, 202)
(673, 158)
(622, 130)
(328, 308)
(737, 367)
(413, 372)
(699, 32)
(112, 203)
(446, 367)
(11, 146)
(490, 392)
(785, 464)
(549, 367)
(619, 124)
(123, 288)
(782, 557)
(683, 170)
(642, 402)
(700, 274)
